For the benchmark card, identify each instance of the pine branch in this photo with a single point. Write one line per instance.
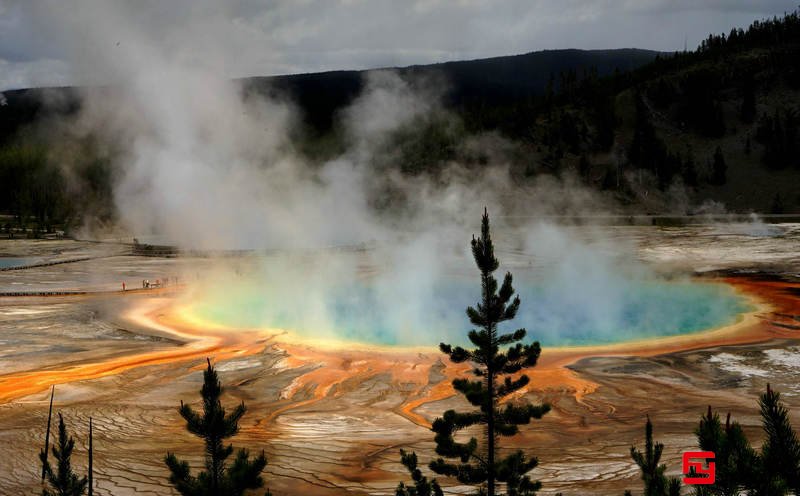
(457, 354)
(512, 337)
(509, 386)
(194, 422)
(422, 486)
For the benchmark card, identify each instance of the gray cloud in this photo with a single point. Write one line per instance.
(250, 37)
(41, 72)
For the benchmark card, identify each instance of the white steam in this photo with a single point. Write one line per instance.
(207, 166)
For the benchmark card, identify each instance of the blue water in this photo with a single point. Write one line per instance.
(555, 313)
(6, 262)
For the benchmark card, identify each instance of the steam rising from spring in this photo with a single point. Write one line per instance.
(205, 165)
(571, 294)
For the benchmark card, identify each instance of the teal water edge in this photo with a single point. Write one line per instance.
(554, 313)
(6, 262)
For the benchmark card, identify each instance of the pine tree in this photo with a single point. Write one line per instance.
(584, 167)
(735, 459)
(776, 207)
(422, 486)
(481, 466)
(747, 111)
(690, 170)
(709, 438)
(655, 482)
(63, 482)
(214, 426)
(719, 169)
(781, 448)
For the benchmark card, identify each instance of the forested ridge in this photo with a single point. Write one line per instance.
(659, 132)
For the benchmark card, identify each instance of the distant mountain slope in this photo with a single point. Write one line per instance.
(521, 76)
(491, 81)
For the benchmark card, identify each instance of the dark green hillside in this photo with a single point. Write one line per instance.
(711, 129)
(719, 123)
(488, 82)
(492, 81)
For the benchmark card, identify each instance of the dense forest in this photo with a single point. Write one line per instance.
(660, 133)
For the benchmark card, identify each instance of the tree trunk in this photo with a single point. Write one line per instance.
(490, 429)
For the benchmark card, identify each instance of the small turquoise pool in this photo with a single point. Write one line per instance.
(8, 262)
(554, 312)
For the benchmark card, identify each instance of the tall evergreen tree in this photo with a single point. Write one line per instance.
(736, 461)
(584, 167)
(493, 368)
(689, 169)
(776, 207)
(63, 481)
(719, 168)
(747, 111)
(649, 462)
(214, 426)
(781, 448)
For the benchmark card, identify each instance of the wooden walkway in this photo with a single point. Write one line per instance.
(48, 264)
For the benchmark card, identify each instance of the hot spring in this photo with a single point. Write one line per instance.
(399, 310)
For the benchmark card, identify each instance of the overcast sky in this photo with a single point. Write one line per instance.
(53, 42)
